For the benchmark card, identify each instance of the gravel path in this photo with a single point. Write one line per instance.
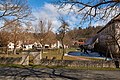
(56, 74)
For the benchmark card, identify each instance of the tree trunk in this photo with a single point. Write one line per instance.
(63, 50)
(42, 51)
(116, 41)
(117, 44)
(6, 51)
(14, 50)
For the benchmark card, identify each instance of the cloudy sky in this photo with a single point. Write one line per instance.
(44, 9)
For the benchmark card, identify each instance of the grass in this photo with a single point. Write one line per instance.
(57, 53)
(54, 53)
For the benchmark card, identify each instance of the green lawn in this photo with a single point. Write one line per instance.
(57, 53)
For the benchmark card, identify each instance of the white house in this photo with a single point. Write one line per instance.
(27, 46)
(56, 45)
(11, 46)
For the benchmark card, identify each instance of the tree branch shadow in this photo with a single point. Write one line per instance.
(24, 73)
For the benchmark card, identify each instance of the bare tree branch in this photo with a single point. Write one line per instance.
(93, 10)
(13, 10)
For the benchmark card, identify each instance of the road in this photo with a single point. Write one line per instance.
(7, 73)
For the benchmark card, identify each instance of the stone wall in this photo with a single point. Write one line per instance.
(36, 57)
(24, 60)
(10, 60)
(79, 63)
(19, 59)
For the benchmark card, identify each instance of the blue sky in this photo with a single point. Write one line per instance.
(38, 3)
(43, 9)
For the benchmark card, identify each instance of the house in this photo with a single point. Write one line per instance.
(30, 45)
(81, 41)
(109, 37)
(107, 40)
(27, 46)
(11, 45)
(58, 45)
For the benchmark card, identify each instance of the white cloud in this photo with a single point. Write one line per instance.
(110, 14)
(103, 15)
(1, 23)
(47, 12)
(51, 12)
(99, 23)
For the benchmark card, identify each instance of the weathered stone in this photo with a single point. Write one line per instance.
(25, 60)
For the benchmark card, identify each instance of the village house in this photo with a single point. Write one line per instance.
(108, 38)
(57, 44)
(30, 45)
(27, 46)
(11, 45)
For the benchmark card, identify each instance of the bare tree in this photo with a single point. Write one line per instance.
(42, 32)
(4, 40)
(110, 43)
(27, 33)
(13, 10)
(92, 10)
(114, 36)
(61, 34)
(51, 38)
(15, 31)
(11, 33)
